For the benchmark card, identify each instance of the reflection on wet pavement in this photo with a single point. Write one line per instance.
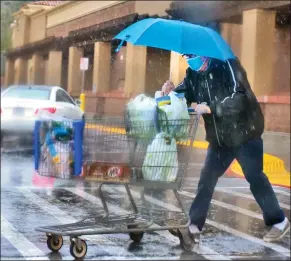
(234, 227)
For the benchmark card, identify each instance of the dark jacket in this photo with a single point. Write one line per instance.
(236, 114)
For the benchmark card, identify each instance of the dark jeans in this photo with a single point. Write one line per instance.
(250, 157)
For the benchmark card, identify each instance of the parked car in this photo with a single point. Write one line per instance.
(20, 105)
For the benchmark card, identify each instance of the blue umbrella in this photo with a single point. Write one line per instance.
(178, 36)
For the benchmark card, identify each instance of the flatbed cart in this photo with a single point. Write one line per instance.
(120, 149)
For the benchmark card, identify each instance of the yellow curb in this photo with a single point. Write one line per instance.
(107, 129)
(196, 144)
(273, 167)
(200, 144)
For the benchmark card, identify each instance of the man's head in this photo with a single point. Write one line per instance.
(197, 63)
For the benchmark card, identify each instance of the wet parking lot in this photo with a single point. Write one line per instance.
(234, 227)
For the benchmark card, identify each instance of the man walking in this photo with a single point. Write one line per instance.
(234, 124)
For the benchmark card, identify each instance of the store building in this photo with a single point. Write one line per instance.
(50, 37)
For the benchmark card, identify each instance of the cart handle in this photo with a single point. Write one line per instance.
(192, 111)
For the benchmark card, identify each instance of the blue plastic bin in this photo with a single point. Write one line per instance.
(78, 131)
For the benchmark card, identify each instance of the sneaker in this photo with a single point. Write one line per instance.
(195, 232)
(276, 234)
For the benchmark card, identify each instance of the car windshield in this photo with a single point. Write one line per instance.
(28, 93)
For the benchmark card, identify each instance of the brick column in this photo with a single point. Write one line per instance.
(37, 72)
(29, 72)
(74, 72)
(135, 69)
(9, 72)
(20, 71)
(54, 69)
(178, 66)
(101, 66)
(257, 50)
(232, 34)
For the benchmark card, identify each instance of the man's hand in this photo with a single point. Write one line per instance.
(202, 109)
(167, 87)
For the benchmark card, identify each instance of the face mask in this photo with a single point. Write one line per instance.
(197, 63)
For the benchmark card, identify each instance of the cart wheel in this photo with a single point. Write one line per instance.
(135, 236)
(174, 232)
(54, 243)
(76, 252)
(189, 245)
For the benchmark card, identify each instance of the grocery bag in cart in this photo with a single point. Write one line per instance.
(141, 117)
(173, 115)
(161, 162)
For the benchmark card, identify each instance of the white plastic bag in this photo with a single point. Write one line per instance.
(177, 110)
(141, 116)
(161, 161)
(140, 106)
(177, 115)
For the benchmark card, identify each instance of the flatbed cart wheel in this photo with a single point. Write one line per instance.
(135, 236)
(54, 243)
(187, 246)
(76, 252)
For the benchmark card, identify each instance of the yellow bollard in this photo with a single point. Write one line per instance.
(82, 99)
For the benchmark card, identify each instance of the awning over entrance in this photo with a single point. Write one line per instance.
(102, 32)
(28, 49)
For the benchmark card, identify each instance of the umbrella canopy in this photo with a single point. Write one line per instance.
(178, 36)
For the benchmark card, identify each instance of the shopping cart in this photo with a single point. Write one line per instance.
(121, 152)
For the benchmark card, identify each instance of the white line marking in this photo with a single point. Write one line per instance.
(227, 206)
(220, 180)
(243, 195)
(275, 247)
(235, 232)
(33, 258)
(141, 258)
(65, 219)
(20, 242)
(202, 250)
(218, 186)
(270, 257)
(282, 192)
(275, 190)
